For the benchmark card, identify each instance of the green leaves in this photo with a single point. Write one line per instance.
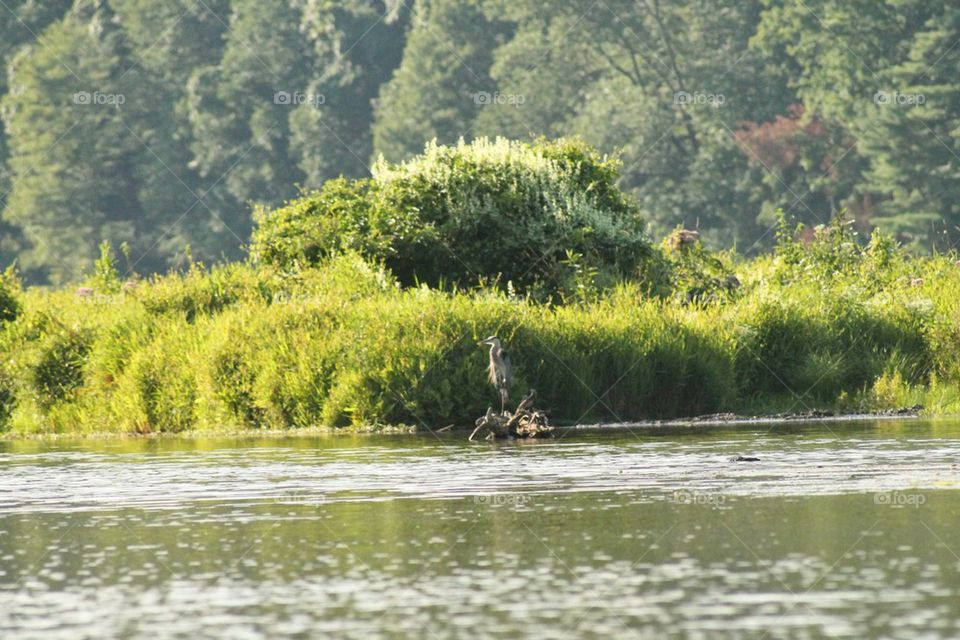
(71, 97)
(439, 87)
(491, 210)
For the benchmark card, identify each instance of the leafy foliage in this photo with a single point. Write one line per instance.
(722, 113)
(487, 211)
(59, 371)
(8, 398)
(825, 323)
(698, 276)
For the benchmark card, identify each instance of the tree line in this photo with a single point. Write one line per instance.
(159, 124)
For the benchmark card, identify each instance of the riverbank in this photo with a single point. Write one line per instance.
(343, 346)
(724, 421)
(329, 324)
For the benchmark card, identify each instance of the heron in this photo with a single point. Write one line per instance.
(501, 371)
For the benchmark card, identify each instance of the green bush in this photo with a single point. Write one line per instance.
(128, 330)
(234, 363)
(59, 371)
(816, 349)
(829, 316)
(487, 211)
(337, 218)
(696, 275)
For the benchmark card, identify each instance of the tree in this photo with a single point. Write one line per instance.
(358, 45)
(839, 48)
(20, 21)
(912, 136)
(238, 117)
(444, 80)
(667, 84)
(169, 40)
(799, 166)
(289, 103)
(881, 71)
(70, 151)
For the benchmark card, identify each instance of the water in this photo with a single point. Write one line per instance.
(839, 530)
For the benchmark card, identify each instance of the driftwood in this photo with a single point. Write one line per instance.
(524, 422)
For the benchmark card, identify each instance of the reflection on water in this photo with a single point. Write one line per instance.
(836, 531)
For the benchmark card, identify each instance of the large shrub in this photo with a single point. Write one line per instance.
(485, 211)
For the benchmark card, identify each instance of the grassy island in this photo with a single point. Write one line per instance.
(362, 304)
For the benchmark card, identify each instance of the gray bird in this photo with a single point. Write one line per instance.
(501, 371)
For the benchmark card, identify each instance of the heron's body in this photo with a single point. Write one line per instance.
(500, 369)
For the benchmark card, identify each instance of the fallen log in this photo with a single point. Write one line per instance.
(523, 422)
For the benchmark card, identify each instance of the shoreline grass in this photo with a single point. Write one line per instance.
(342, 346)
(690, 422)
(343, 317)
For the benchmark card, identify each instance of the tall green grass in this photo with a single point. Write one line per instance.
(316, 329)
(826, 325)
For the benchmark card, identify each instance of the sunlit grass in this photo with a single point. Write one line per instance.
(341, 345)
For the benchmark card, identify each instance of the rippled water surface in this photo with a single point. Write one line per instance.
(845, 530)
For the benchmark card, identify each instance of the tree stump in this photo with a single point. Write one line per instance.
(524, 422)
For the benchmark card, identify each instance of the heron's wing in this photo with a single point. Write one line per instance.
(507, 369)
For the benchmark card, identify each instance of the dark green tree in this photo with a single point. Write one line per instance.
(912, 137)
(241, 136)
(71, 153)
(883, 72)
(357, 44)
(444, 80)
(290, 102)
(169, 39)
(20, 23)
(839, 48)
(666, 84)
